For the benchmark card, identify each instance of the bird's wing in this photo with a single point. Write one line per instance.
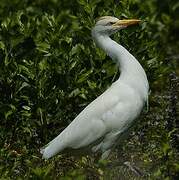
(90, 124)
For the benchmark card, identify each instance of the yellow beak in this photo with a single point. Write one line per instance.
(127, 22)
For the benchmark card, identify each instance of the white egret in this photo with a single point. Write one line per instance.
(101, 123)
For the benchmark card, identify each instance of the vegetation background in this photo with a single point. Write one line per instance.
(50, 69)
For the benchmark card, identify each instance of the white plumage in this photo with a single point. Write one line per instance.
(112, 113)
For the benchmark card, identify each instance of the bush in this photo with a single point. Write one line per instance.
(50, 69)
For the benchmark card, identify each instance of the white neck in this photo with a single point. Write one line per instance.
(132, 72)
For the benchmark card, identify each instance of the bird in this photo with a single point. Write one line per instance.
(98, 127)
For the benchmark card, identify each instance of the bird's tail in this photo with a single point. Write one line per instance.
(52, 148)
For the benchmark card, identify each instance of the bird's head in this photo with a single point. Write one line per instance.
(108, 25)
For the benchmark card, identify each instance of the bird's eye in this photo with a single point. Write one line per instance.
(110, 23)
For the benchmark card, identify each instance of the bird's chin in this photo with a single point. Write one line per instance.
(122, 27)
(118, 29)
(114, 31)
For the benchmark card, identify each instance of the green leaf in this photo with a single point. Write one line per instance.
(82, 2)
(5, 23)
(7, 114)
(74, 93)
(2, 45)
(43, 65)
(92, 85)
(165, 148)
(26, 108)
(43, 47)
(84, 76)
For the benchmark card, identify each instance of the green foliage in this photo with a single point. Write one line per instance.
(50, 69)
